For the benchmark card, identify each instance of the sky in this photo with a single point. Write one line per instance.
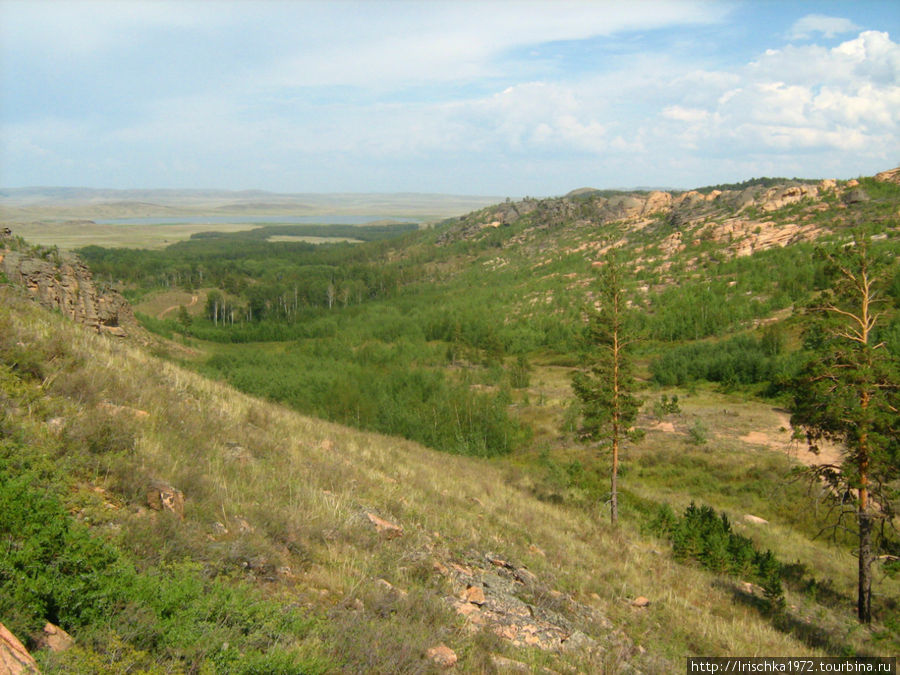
(507, 98)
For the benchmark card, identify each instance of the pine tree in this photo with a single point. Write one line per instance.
(849, 392)
(605, 385)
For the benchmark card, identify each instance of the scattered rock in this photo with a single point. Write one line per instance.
(537, 550)
(442, 655)
(163, 497)
(385, 528)
(755, 519)
(116, 409)
(56, 425)
(14, 658)
(751, 589)
(504, 664)
(474, 595)
(235, 452)
(390, 588)
(640, 601)
(55, 638)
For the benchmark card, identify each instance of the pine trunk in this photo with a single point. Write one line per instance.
(864, 602)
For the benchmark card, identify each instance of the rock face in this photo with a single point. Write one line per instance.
(62, 282)
(163, 497)
(728, 213)
(14, 658)
(892, 176)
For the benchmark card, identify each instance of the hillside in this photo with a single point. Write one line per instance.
(171, 523)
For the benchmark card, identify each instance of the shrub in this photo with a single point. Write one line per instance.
(707, 538)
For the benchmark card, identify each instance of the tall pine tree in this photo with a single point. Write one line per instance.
(605, 385)
(849, 392)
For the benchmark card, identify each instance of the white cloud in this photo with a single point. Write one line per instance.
(826, 26)
(803, 99)
(677, 112)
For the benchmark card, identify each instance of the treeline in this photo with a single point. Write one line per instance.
(273, 279)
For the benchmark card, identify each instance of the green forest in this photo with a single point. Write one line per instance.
(426, 333)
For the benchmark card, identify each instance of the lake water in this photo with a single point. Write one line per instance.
(254, 220)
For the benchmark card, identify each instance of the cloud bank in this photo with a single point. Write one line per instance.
(491, 98)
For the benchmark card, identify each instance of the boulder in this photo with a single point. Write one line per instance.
(163, 497)
(442, 655)
(386, 529)
(474, 595)
(55, 638)
(755, 519)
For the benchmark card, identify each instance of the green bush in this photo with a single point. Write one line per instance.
(53, 569)
(707, 538)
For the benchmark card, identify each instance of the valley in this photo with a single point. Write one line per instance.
(372, 450)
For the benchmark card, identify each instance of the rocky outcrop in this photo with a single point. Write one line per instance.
(14, 658)
(163, 497)
(62, 282)
(493, 594)
(54, 638)
(892, 176)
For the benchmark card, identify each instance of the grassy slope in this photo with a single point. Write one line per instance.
(292, 493)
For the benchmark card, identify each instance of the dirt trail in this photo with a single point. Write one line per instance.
(174, 307)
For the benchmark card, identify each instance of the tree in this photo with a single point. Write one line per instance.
(184, 318)
(849, 392)
(604, 386)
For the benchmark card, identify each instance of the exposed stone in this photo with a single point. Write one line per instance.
(55, 638)
(891, 176)
(504, 664)
(390, 588)
(755, 519)
(778, 197)
(386, 529)
(163, 497)
(56, 424)
(14, 658)
(442, 656)
(474, 595)
(656, 201)
(856, 195)
(62, 282)
(640, 601)
(495, 583)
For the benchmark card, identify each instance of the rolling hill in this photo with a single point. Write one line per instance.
(176, 501)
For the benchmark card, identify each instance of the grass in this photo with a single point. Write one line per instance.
(278, 501)
(69, 235)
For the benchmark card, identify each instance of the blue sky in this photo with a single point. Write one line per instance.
(501, 98)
